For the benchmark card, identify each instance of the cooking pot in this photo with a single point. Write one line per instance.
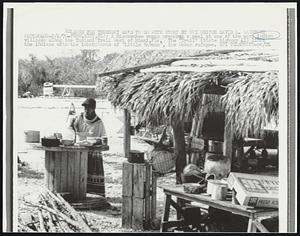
(215, 146)
(32, 136)
(136, 157)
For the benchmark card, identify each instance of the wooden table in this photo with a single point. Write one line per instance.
(177, 191)
(66, 168)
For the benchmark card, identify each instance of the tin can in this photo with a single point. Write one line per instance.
(104, 140)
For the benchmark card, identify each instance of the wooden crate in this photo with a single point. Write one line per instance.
(139, 196)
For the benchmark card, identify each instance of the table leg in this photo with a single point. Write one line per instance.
(260, 226)
(166, 213)
(251, 225)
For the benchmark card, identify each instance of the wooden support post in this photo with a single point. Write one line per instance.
(180, 154)
(147, 198)
(153, 197)
(126, 133)
(194, 156)
(228, 137)
(179, 149)
(197, 126)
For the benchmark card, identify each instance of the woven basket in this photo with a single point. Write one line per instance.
(162, 161)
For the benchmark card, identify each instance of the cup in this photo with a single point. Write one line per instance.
(219, 192)
(104, 140)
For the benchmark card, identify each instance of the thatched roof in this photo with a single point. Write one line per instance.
(160, 95)
(140, 57)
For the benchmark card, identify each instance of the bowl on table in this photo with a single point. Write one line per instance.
(67, 142)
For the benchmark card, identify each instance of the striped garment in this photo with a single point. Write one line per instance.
(95, 179)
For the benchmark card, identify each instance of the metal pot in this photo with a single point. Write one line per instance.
(215, 146)
(32, 136)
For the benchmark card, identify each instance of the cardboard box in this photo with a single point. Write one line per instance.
(255, 190)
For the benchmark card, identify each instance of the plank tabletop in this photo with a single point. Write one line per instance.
(177, 191)
(72, 148)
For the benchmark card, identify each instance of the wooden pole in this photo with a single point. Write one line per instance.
(197, 126)
(179, 148)
(166, 62)
(126, 133)
(194, 156)
(228, 137)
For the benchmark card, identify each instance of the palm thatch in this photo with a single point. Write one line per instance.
(139, 57)
(160, 98)
(250, 101)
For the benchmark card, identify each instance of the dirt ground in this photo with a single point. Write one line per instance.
(31, 182)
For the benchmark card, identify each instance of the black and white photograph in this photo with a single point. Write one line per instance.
(131, 118)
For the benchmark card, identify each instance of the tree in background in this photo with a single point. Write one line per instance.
(32, 73)
(79, 70)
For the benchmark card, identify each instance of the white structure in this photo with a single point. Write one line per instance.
(48, 89)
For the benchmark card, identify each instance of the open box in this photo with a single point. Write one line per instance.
(255, 190)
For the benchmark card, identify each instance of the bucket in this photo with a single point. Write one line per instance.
(32, 136)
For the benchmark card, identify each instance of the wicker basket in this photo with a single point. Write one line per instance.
(162, 161)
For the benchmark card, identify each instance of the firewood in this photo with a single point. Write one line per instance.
(61, 215)
(25, 228)
(55, 214)
(56, 202)
(63, 226)
(34, 224)
(59, 227)
(55, 221)
(41, 220)
(75, 214)
(50, 223)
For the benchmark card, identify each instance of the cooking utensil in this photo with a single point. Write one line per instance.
(215, 146)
